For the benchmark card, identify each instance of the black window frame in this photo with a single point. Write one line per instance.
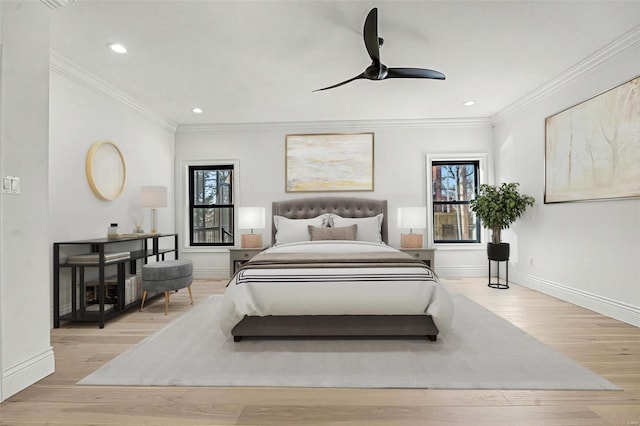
(435, 203)
(193, 205)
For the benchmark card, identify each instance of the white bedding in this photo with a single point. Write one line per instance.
(335, 291)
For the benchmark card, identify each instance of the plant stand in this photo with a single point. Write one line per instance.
(498, 284)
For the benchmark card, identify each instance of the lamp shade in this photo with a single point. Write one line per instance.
(251, 217)
(153, 196)
(412, 217)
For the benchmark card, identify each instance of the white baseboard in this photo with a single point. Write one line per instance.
(602, 305)
(26, 373)
(211, 273)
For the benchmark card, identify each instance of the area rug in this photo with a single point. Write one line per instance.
(482, 351)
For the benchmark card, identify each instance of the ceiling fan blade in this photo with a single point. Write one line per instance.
(414, 73)
(377, 70)
(361, 75)
(370, 32)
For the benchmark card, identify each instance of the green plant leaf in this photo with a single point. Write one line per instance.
(499, 207)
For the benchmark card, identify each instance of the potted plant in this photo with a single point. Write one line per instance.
(498, 208)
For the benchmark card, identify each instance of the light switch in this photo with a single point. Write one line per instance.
(10, 185)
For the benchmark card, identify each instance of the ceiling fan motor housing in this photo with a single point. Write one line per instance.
(374, 72)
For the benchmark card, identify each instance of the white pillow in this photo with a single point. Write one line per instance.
(369, 228)
(294, 230)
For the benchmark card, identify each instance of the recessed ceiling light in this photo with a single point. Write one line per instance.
(117, 47)
(469, 103)
(197, 110)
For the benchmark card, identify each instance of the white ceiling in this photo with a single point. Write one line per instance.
(259, 61)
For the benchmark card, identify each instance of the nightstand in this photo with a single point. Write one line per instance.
(238, 256)
(424, 254)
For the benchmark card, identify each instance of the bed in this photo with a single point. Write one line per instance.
(331, 272)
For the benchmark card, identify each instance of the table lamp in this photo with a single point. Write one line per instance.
(251, 218)
(153, 197)
(411, 217)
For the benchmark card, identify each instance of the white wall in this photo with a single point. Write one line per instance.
(585, 252)
(80, 116)
(56, 203)
(24, 226)
(400, 176)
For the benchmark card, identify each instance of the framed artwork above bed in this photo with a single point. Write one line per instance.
(329, 162)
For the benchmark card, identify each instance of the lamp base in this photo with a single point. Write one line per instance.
(251, 240)
(411, 240)
(154, 219)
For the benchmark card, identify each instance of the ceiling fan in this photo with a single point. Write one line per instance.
(377, 70)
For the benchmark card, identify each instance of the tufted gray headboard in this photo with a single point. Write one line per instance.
(306, 208)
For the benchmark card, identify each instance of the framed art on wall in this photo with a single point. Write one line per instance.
(329, 162)
(592, 149)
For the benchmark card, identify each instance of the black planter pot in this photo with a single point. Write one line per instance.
(498, 251)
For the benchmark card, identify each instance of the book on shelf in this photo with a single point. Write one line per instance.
(93, 258)
(132, 289)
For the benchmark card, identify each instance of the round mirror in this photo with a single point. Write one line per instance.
(106, 170)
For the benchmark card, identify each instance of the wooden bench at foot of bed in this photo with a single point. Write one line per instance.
(335, 326)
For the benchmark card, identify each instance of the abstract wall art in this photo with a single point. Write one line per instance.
(592, 149)
(329, 162)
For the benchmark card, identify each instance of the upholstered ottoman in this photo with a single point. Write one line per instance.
(166, 276)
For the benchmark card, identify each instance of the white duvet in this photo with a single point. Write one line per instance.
(335, 291)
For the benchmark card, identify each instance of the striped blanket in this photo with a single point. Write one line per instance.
(337, 278)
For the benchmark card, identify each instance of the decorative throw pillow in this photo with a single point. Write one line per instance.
(369, 228)
(294, 230)
(339, 233)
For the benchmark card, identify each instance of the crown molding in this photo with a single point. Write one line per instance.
(621, 45)
(349, 125)
(82, 77)
(55, 4)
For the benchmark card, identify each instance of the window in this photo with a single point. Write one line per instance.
(454, 185)
(211, 205)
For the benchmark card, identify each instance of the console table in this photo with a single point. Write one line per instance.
(99, 254)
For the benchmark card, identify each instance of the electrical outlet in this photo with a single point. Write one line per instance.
(531, 261)
(10, 185)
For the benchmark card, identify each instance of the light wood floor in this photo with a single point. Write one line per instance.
(607, 347)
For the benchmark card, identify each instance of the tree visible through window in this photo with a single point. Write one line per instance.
(211, 205)
(455, 184)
